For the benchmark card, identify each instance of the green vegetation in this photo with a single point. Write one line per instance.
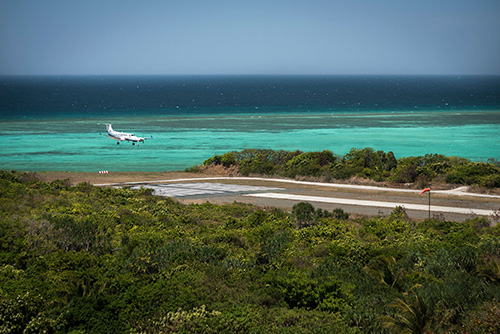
(365, 163)
(85, 259)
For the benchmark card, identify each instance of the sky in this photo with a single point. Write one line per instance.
(189, 37)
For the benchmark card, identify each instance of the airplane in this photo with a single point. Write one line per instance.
(122, 136)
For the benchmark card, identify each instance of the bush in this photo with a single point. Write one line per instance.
(256, 166)
(485, 174)
(367, 163)
(298, 291)
(484, 320)
(303, 214)
(338, 213)
(406, 174)
(490, 181)
(26, 314)
(308, 164)
(114, 260)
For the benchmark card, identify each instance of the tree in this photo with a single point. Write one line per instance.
(412, 318)
(303, 214)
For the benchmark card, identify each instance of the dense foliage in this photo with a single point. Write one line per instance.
(85, 259)
(367, 163)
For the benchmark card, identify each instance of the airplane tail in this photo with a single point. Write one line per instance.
(109, 128)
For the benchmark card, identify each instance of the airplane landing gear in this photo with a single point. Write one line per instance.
(117, 143)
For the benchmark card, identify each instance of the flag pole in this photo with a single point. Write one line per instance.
(429, 205)
(429, 191)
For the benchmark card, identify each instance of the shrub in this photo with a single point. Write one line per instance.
(308, 164)
(297, 291)
(215, 160)
(490, 181)
(338, 213)
(303, 214)
(106, 260)
(405, 174)
(399, 212)
(485, 174)
(25, 314)
(256, 166)
(484, 320)
(376, 165)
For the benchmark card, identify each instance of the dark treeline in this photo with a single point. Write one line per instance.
(85, 259)
(365, 163)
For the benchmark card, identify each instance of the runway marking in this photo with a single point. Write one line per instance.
(378, 204)
(203, 188)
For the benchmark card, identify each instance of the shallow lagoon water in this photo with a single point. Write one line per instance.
(75, 144)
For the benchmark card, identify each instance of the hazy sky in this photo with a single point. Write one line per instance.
(250, 37)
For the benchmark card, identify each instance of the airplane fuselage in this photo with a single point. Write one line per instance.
(123, 136)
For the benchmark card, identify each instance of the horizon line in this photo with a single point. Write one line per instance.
(246, 74)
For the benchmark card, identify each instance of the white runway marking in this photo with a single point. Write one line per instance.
(377, 204)
(196, 189)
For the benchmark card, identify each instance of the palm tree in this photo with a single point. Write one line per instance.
(414, 314)
(383, 269)
(490, 268)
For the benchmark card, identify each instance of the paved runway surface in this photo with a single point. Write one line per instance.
(203, 189)
(379, 204)
(457, 204)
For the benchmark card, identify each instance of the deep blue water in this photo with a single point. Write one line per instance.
(53, 123)
(183, 95)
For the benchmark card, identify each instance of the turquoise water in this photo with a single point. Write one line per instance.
(53, 123)
(74, 144)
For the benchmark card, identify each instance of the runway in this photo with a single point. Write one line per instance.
(460, 191)
(379, 204)
(457, 204)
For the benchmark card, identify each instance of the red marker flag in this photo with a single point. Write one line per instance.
(425, 190)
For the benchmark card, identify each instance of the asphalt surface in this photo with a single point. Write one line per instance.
(453, 204)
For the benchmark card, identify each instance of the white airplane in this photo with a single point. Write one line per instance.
(122, 136)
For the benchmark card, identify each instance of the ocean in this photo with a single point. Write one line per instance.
(50, 123)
